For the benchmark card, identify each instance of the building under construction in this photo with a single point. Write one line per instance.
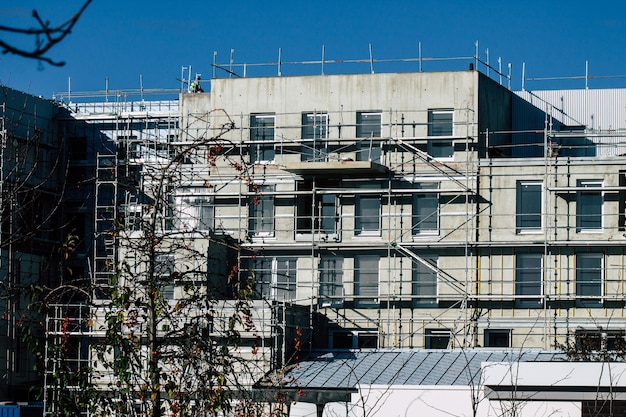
(419, 210)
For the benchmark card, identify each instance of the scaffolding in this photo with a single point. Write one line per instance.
(389, 232)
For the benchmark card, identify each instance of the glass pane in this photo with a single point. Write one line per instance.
(589, 208)
(528, 206)
(314, 128)
(366, 281)
(331, 281)
(589, 279)
(528, 279)
(426, 211)
(368, 214)
(262, 130)
(439, 123)
(440, 148)
(425, 282)
(261, 206)
(368, 125)
(285, 278)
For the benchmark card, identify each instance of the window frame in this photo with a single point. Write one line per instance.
(596, 282)
(259, 144)
(366, 267)
(164, 268)
(527, 219)
(425, 275)
(362, 220)
(431, 335)
(497, 332)
(314, 133)
(326, 211)
(261, 226)
(331, 291)
(193, 210)
(583, 215)
(440, 148)
(356, 338)
(418, 225)
(267, 277)
(372, 149)
(523, 284)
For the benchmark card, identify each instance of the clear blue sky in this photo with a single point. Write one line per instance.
(154, 39)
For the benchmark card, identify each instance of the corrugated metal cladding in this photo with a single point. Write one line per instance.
(422, 367)
(595, 109)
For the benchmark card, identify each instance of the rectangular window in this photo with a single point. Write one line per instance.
(331, 282)
(440, 123)
(588, 341)
(589, 279)
(367, 219)
(262, 138)
(498, 338)
(437, 339)
(368, 127)
(262, 272)
(589, 206)
(192, 210)
(426, 210)
(529, 202)
(275, 277)
(314, 130)
(354, 339)
(164, 265)
(261, 207)
(528, 273)
(285, 279)
(317, 212)
(366, 281)
(425, 282)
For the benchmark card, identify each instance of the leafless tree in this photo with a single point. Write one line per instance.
(45, 34)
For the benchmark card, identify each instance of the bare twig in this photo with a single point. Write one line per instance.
(45, 35)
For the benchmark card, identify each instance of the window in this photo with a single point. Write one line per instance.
(599, 340)
(261, 206)
(498, 338)
(331, 281)
(163, 270)
(367, 221)
(366, 281)
(285, 278)
(426, 210)
(437, 339)
(589, 279)
(192, 210)
(354, 339)
(425, 282)
(314, 129)
(317, 213)
(589, 207)
(368, 126)
(262, 138)
(528, 272)
(275, 277)
(529, 201)
(440, 124)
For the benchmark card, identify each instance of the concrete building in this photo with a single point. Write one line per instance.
(407, 211)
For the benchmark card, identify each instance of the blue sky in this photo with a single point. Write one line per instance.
(123, 41)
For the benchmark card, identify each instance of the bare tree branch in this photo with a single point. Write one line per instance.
(46, 37)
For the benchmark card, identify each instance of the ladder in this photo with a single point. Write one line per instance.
(104, 255)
